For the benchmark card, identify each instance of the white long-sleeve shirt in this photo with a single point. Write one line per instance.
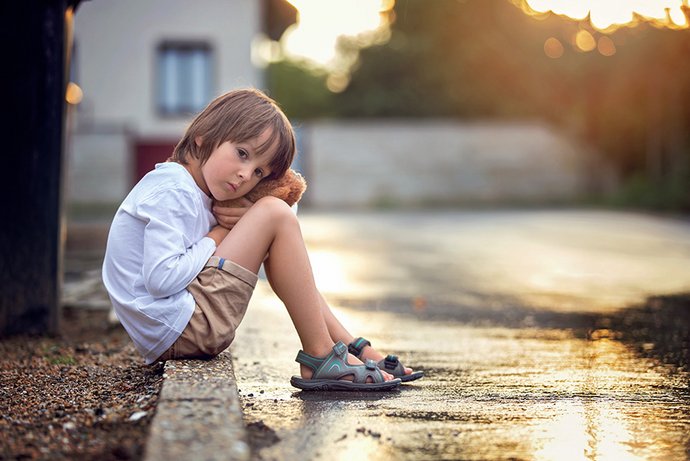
(156, 246)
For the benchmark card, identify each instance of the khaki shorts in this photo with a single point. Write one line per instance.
(221, 291)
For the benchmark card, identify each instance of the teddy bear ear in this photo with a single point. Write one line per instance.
(297, 177)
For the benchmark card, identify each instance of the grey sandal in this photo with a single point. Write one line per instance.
(390, 364)
(329, 372)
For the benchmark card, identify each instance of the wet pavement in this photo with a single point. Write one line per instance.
(535, 330)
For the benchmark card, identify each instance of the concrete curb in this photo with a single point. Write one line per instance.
(198, 416)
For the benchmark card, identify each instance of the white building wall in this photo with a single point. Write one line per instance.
(115, 63)
(116, 52)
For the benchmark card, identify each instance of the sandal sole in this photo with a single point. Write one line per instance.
(411, 377)
(341, 385)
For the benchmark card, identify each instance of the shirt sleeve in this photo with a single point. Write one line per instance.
(171, 258)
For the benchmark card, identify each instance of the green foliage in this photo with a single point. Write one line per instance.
(300, 90)
(449, 58)
(640, 191)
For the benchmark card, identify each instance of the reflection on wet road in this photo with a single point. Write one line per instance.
(596, 384)
(563, 260)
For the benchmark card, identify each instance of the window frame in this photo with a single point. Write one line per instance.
(183, 110)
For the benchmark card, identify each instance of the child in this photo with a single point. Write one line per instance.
(180, 273)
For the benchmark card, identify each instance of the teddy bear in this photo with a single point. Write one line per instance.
(288, 188)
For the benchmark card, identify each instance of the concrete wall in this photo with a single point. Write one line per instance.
(99, 168)
(351, 164)
(390, 163)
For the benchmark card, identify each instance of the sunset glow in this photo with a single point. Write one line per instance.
(606, 15)
(321, 22)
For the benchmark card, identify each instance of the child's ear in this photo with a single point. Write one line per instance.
(197, 141)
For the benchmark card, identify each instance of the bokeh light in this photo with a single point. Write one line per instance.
(585, 41)
(74, 93)
(553, 48)
(606, 46)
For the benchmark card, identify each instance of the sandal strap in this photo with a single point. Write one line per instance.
(357, 346)
(362, 372)
(335, 366)
(392, 365)
(309, 360)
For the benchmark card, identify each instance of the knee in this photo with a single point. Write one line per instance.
(276, 208)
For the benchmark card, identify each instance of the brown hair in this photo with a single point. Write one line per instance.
(238, 116)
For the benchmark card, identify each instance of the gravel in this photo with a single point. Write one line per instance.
(83, 395)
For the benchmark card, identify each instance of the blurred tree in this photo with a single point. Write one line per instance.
(486, 58)
(300, 89)
(451, 58)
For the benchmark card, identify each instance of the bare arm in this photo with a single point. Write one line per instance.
(218, 233)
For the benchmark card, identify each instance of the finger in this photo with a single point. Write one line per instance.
(228, 226)
(236, 204)
(246, 203)
(241, 202)
(228, 211)
(227, 221)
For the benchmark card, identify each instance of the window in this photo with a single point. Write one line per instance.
(183, 77)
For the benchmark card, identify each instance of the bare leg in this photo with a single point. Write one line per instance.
(269, 226)
(338, 332)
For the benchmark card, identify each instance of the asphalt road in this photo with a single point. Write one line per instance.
(535, 328)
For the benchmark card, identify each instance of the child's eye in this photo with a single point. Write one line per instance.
(259, 172)
(242, 153)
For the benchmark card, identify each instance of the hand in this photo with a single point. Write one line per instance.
(229, 216)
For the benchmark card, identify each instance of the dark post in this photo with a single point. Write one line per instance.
(33, 44)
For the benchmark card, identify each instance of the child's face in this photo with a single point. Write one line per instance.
(233, 169)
